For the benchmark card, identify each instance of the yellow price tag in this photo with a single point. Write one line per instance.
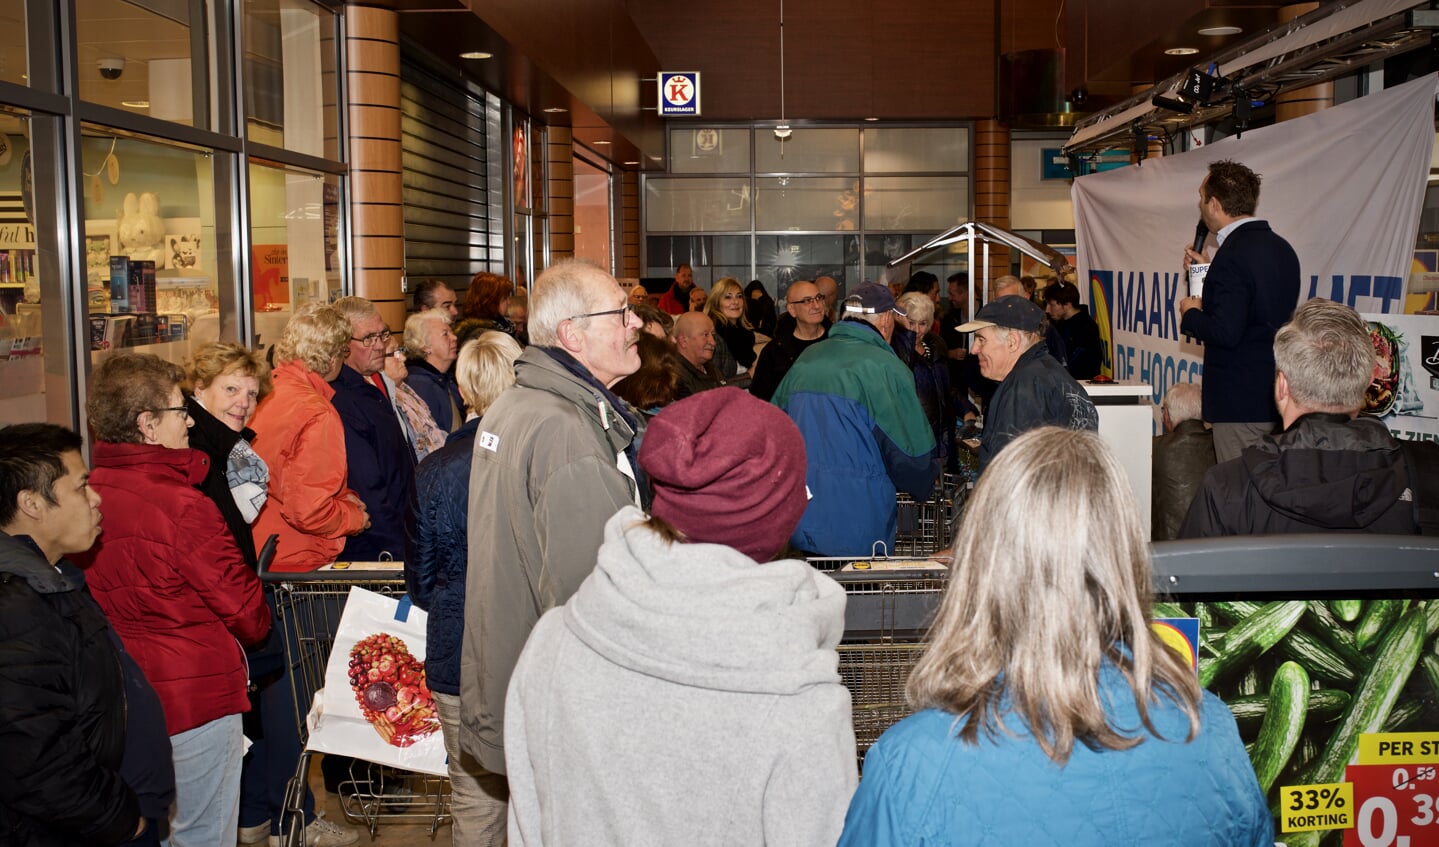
(1309, 807)
(1399, 748)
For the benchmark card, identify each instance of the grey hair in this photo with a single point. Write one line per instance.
(564, 290)
(1326, 355)
(1184, 402)
(1033, 610)
(917, 307)
(486, 367)
(355, 309)
(417, 327)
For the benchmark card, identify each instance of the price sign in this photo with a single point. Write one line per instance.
(1310, 807)
(1398, 806)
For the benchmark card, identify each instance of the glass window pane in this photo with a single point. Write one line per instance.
(592, 213)
(289, 71)
(690, 205)
(907, 150)
(294, 245)
(807, 151)
(801, 203)
(915, 202)
(149, 234)
(12, 44)
(135, 57)
(708, 150)
(783, 259)
(23, 344)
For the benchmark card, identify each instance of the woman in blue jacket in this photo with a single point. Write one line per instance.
(1049, 712)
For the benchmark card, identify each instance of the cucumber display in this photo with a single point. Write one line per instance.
(1306, 678)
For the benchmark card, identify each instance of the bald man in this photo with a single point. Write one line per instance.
(805, 327)
(695, 342)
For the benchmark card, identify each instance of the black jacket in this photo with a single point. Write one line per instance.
(777, 357)
(1181, 456)
(62, 711)
(1037, 392)
(1325, 473)
(381, 466)
(216, 440)
(439, 390)
(1083, 350)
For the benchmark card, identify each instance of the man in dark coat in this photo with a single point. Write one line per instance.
(1083, 348)
(87, 758)
(381, 463)
(1181, 456)
(1250, 291)
(1329, 470)
(807, 326)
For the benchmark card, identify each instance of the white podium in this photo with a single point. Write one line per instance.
(1126, 423)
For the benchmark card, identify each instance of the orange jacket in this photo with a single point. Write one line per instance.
(300, 437)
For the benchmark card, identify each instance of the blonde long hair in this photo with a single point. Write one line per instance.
(1050, 580)
(716, 296)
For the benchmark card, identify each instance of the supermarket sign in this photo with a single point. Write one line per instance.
(679, 94)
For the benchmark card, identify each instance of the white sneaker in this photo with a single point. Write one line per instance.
(323, 833)
(254, 834)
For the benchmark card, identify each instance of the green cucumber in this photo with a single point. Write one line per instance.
(1325, 704)
(1288, 708)
(1252, 637)
(1167, 610)
(1321, 660)
(1347, 610)
(1429, 664)
(1376, 621)
(1404, 714)
(1330, 628)
(1394, 661)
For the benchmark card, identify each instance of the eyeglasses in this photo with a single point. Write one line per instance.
(184, 410)
(624, 312)
(373, 338)
(805, 301)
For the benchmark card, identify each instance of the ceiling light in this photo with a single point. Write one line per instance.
(1213, 31)
(477, 54)
(599, 142)
(135, 104)
(871, 119)
(555, 110)
(631, 163)
(1181, 51)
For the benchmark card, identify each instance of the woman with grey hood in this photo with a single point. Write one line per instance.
(688, 693)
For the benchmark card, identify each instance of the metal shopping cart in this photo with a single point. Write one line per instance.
(926, 527)
(308, 607)
(891, 603)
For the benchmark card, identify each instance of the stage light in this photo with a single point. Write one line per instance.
(1172, 104)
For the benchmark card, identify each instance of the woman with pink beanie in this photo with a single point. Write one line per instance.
(688, 692)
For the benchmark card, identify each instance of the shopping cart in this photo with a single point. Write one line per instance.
(926, 527)
(308, 607)
(891, 603)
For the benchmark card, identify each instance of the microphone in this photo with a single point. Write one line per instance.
(1201, 232)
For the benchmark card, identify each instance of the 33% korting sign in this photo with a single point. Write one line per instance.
(1396, 784)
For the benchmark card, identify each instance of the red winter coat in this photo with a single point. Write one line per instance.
(172, 582)
(310, 506)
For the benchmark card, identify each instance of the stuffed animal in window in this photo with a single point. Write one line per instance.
(184, 251)
(140, 230)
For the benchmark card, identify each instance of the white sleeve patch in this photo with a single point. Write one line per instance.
(490, 441)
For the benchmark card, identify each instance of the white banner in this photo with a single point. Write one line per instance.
(1344, 186)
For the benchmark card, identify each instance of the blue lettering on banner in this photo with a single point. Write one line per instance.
(1347, 290)
(1147, 307)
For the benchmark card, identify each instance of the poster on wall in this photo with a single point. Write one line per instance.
(1344, 186)
(1405, 392)
(270, 268)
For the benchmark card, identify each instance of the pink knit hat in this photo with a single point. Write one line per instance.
(727, 468)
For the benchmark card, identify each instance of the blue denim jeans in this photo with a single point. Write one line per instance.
(207, 784)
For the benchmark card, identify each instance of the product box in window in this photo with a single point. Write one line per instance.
(142, 287)
(119, 284)
(148, 328)
(109, 332)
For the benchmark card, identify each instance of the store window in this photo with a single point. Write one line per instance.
(22, 348)
(13, 55)
(807, 151)
(289, 76)
(137, 56)
(593, 213)
(709, 150)
(150, 260)
(294, 245)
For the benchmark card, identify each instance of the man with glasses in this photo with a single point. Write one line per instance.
(554, 459)
(806, 327)
(381, 463)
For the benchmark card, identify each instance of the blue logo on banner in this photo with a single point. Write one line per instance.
(679, 94)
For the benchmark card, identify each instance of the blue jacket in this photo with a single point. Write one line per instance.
(1250, 292)
(381, 466)
(922, 787)
(1037, 392)
(865, 436)
(436, 562)
(437, 388)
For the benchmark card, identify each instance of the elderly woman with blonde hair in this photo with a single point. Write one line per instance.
(300, 438)
(726, 307)
(430, 348)
(1049, 710)
(436, 566)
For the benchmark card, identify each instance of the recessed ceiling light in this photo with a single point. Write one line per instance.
(477, 54)
(135, 104)
(1220, 30)
(1181, 51)
(555, 110)
(871, 119)
(631, 163)
(600, 142)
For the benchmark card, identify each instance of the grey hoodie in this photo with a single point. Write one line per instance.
(684, 695)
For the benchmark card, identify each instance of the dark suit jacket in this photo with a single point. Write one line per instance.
(381, 465)
(1251, 291)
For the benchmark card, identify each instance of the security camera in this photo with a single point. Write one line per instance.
(112, 68)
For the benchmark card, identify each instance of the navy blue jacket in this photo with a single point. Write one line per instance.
(1251, 291)
(381, 466)
(437, 388)
(437, 560)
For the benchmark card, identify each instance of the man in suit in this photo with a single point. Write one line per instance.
(1251, 291)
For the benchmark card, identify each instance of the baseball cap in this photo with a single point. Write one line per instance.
(871, 299)
(1010, 312)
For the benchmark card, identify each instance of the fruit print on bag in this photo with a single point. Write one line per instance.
(390, 687)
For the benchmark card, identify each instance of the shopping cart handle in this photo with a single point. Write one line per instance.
(267, 553)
